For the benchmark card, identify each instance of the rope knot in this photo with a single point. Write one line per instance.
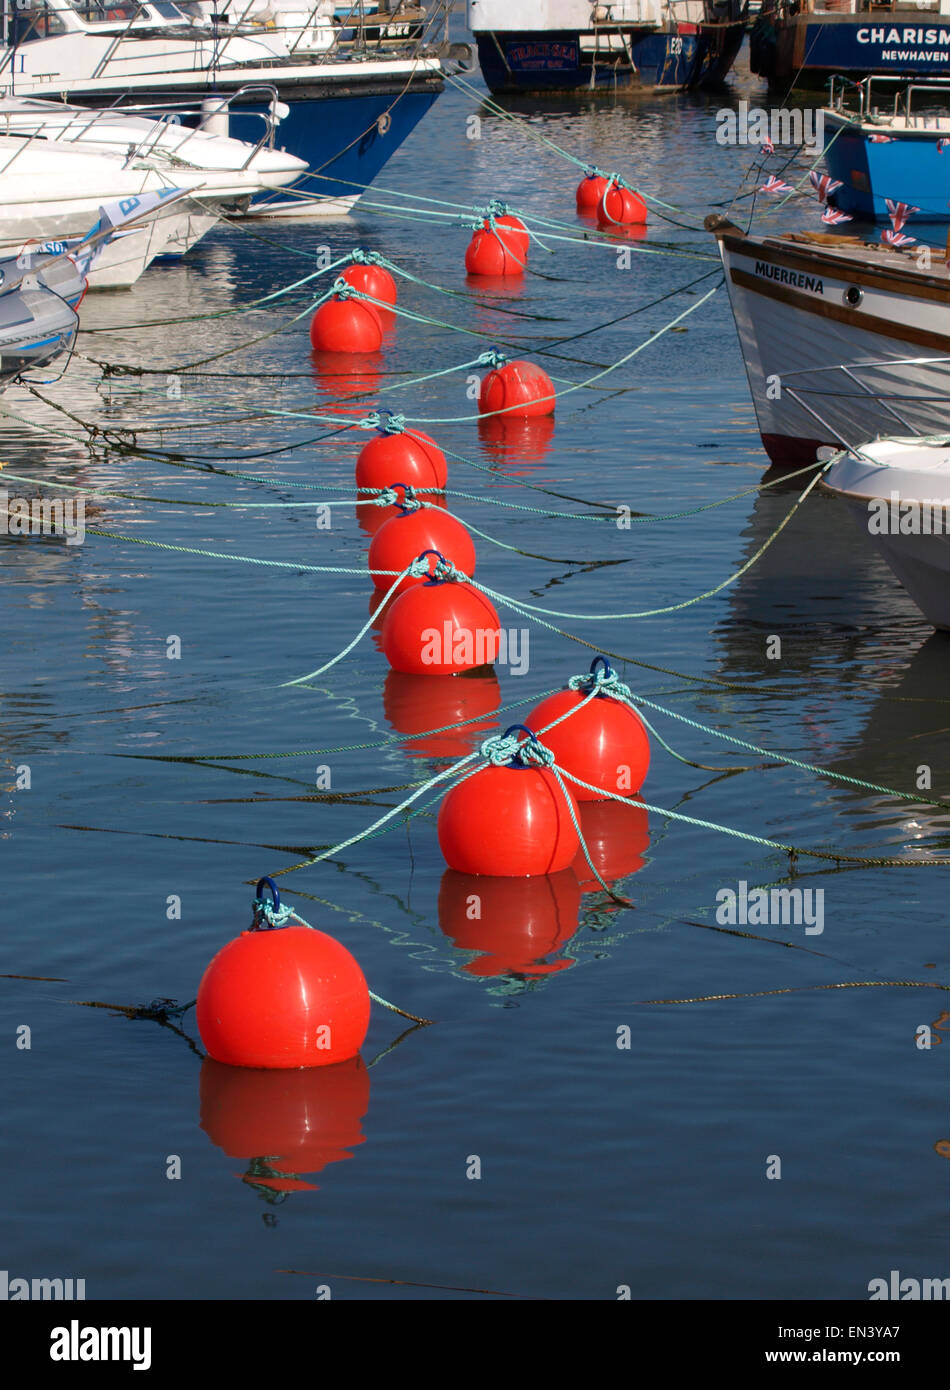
(344, 291)
(443, 571)
(603, 679)
(491, 358)
(360, 257)
(505, 750)
(269, 916)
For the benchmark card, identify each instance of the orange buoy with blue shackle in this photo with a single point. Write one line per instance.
(442, 626)
(396, 452)
(346, 323)
(282, 995)
(603, 741)
(416, 529)
(499, 244)
(515, 388)
(512, 819)
(366, 275)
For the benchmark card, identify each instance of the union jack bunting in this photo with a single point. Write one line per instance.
(896, 238)
(880, 139)
(767, 146)
(832, 216)
(775, 185)
(899, 213)
(823, 184)
(942, 144)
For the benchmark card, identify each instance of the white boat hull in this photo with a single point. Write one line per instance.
(805, 314)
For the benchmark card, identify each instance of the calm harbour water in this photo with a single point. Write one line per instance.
(600, 1167)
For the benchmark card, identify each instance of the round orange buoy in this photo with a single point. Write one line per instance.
(289, 1121)
(621, 205)
(440, 628)
(617, 838)
(408, 456)
(604, 743)
(418, 704)
(508, 822)
(517, 388)
(372, 280)
(410, 534)
(492, 253)
(515, 925)
(590, 193)
(346, 325)
(280, 997)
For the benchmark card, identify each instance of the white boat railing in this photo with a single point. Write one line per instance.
(898, 101)
(53, 129)
(883, 399)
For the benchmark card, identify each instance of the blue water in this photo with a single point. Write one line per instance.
(600, 1167)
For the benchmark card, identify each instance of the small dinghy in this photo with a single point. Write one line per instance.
(40, 292)
(898, 491)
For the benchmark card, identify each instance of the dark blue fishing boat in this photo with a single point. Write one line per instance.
(580, 45)
(803, 43)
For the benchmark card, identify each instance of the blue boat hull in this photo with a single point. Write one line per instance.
(553, 60)
(345, 140)
(345, 133)
(909, 168)
(808, 51)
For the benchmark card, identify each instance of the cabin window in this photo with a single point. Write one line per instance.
(36, 20)
(107, 11)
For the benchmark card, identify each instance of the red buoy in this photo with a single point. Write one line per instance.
(372, 280)
(516, 925)
(440, 629)
(508, 822)
(416, 704)
(517, 388)
(621, 205)
(282, 997)
(346, 325)
(408, 534)
(604, 743)
(590, 192)
(405, 456)
(617, 838)
(291, 1122)
(493, 253)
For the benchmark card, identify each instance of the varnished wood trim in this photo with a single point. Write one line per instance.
(818, 261)
(854, 318)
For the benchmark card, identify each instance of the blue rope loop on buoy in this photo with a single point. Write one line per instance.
(342, 290)
(603, 679)
(505, 750)
(410, 502)
(442, 572)
(269, 916)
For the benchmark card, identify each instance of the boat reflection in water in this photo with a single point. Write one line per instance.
(284, 1123)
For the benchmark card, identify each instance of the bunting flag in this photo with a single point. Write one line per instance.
(899, 213)
(833, 216)
(942, 144)
(775, 185)
(767, 146)
(880, 139)
(897, 238)
(823, 184)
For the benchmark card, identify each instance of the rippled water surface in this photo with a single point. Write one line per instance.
(600, 1166)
